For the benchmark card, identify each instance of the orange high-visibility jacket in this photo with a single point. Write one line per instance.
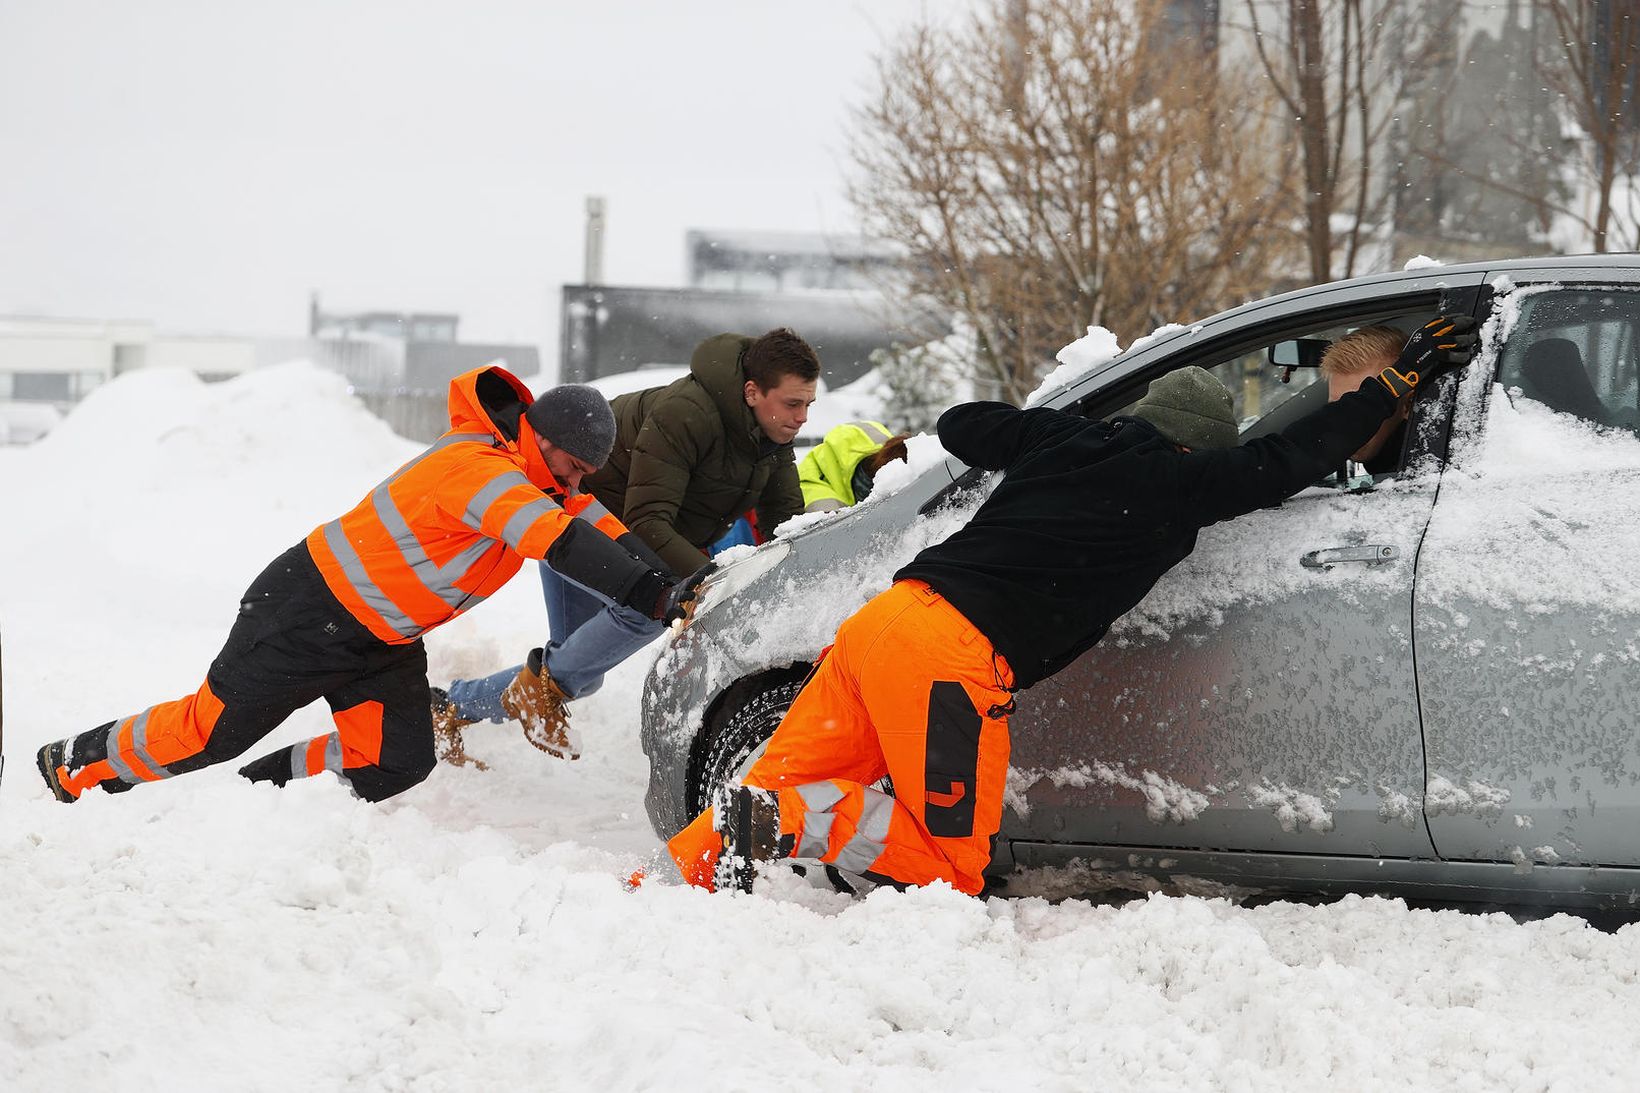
(451, 526)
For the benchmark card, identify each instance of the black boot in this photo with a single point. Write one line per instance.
(72, 756)
(273, 767)
(749, 820)
(51, 759)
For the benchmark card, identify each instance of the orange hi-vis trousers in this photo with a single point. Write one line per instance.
(911, 690)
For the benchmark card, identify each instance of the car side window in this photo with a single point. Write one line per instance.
(1274, 383)
(1577, 352)
(1256, 387)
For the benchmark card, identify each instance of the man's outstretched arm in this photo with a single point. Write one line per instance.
(1219, 485)
(991, 435)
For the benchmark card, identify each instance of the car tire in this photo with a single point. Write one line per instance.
(743, 719)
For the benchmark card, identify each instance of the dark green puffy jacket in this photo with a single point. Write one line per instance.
(690, 459)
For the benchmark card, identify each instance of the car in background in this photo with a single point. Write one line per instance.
(1423, 682)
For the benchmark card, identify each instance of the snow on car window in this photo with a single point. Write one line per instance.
(1550, 506)
(1540, 508)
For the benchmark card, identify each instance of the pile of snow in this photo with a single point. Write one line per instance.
(1093, 351)
(623, 383)
(473, 933)
(1076, 360)
(26, 422)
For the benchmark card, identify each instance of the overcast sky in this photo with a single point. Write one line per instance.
(205, 164)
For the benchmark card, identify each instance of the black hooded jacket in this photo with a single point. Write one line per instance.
(1090, 514)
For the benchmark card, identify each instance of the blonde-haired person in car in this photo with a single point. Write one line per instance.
(1350, 360)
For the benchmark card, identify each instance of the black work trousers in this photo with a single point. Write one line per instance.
(292, 643)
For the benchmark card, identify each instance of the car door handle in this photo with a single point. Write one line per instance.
(1366, 555)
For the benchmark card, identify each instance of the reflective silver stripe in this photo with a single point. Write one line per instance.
(112, 747)
(820, 796)
(440, 580)
(333, 756)
(488, 495)
(374, 598)
(816, 835)
(593, 512)
(870, 835)
(520, 522)
(874, 432)
(139, 744)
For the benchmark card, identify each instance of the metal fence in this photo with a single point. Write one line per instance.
(413, 414)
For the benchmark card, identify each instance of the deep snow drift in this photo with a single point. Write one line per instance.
(206, 934)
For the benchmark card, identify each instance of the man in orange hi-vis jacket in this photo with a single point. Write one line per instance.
(340, 615)
(918, 685)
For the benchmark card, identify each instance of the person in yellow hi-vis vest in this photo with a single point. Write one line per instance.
(839, 471)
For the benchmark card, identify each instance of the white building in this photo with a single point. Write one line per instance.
(47, 365)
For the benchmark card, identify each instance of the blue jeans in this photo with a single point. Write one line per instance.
(587, 636)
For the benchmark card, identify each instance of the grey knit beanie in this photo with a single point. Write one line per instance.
(577, 418)
(1190, 407)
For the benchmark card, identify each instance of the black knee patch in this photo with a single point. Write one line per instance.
(378, 784)
(952, 761)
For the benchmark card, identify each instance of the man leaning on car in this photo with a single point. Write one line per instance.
(918, 685)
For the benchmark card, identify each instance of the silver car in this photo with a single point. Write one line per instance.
(1424, 681)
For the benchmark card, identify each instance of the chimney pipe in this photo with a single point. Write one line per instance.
(595, 241)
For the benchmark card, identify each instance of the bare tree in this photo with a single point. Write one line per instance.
(1335, 66)
(1600, 49)
(1063, 163)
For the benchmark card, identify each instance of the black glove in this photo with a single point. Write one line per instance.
(680, 600)
(1436, 348)
(650, 592)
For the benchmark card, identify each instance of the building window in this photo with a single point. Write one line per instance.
(42, 386)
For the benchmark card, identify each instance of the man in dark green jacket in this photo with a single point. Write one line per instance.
(689, 459)
(692, 457)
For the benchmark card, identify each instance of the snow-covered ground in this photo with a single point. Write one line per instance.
(207, 934)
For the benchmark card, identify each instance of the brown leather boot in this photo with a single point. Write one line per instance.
(541, 706)
(448, 743)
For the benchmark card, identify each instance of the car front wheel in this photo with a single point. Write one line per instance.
(738, 728)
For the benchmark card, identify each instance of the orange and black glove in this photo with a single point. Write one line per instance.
(1436, 348)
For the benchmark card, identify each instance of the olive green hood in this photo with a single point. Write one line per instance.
(715, 365)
